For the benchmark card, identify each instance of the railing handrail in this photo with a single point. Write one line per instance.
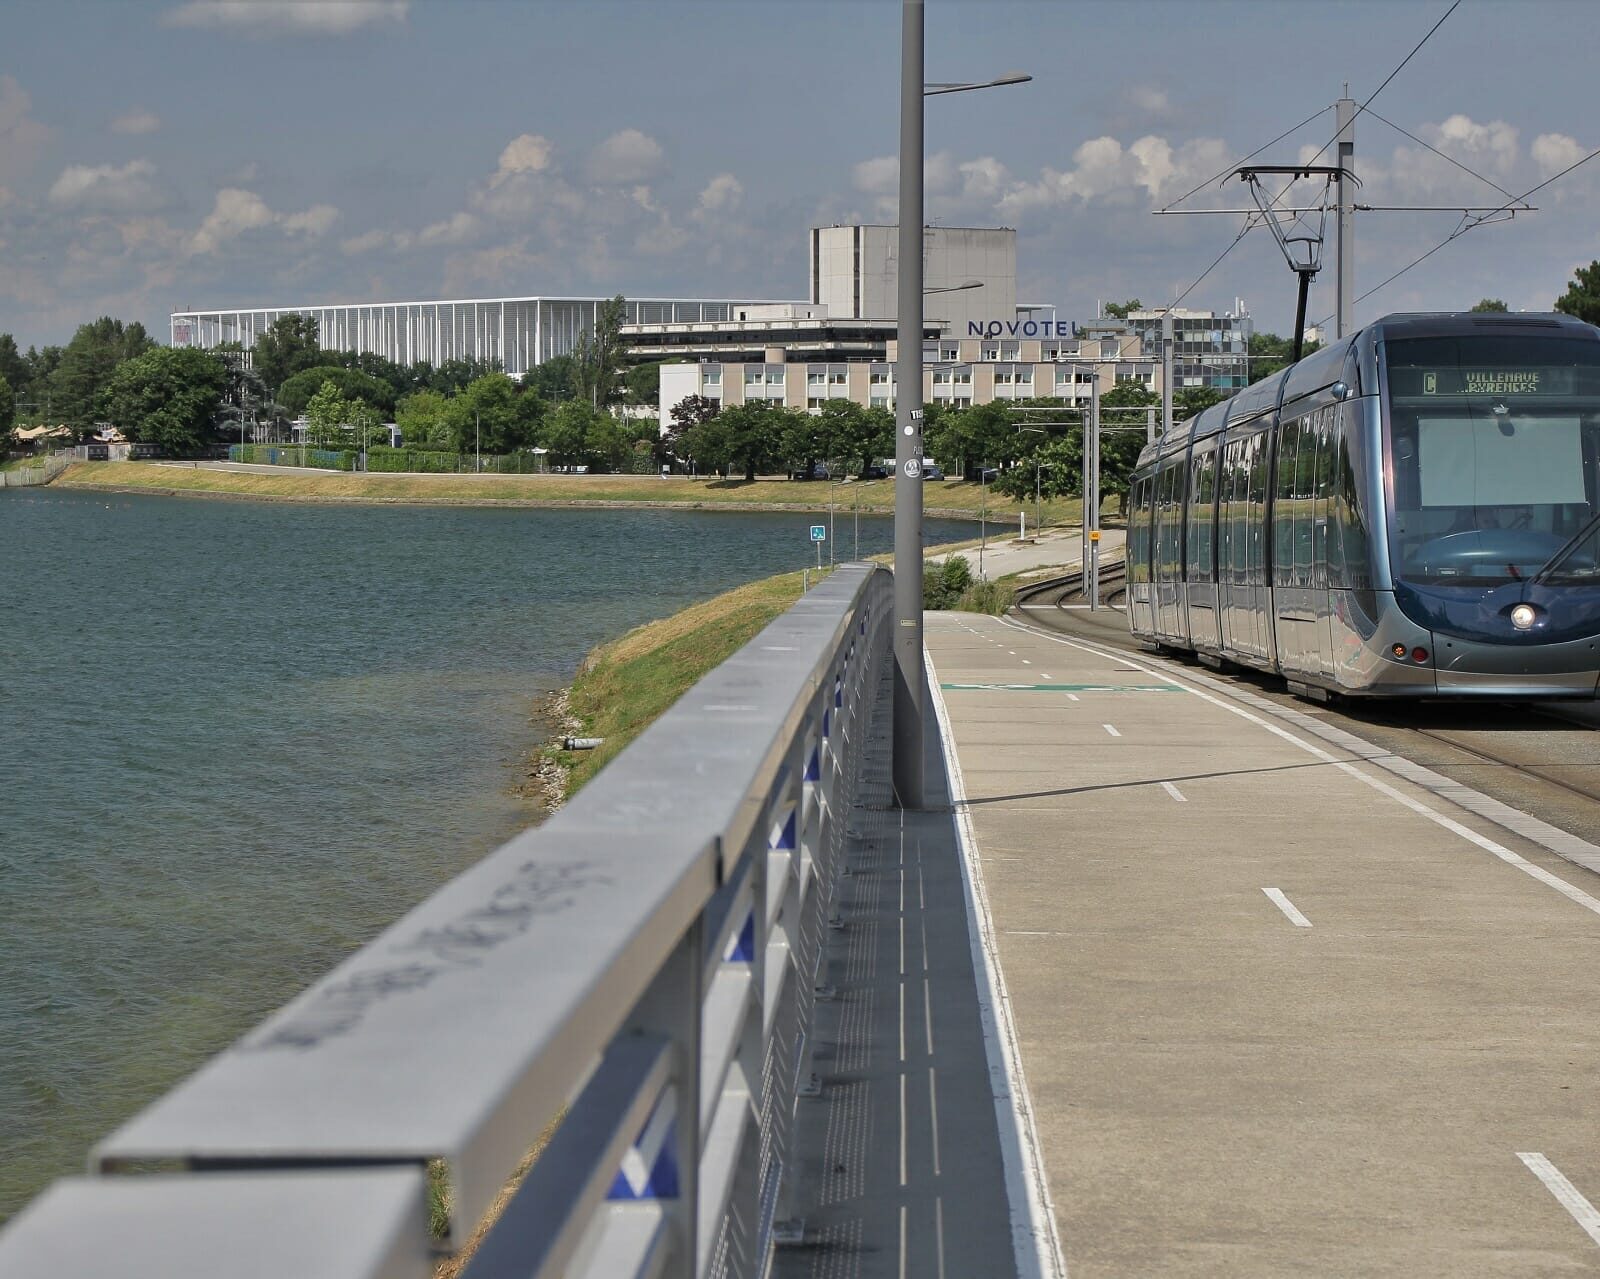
(608, 961)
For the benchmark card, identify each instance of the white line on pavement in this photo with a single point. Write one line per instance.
(933, 1113)
(1111, 729)
(902, 1019)
(1073, 697)
(1175, 792)
(902, 1127)
(1035, 1239)
(1583, 1212)
(1287, 907)
(927, 1016)
(1417, 806)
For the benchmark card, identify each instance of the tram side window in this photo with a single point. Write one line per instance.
(1305, 500)
(1257, 571)
(1202, 517)
(1283, 505)
(1142, 516)
(1234, 521)
(1169, 512)
(1349, 561)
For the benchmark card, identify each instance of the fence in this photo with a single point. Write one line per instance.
(642, 965)
(410, 461)
(30, 476)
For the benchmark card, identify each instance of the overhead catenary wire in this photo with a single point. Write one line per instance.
(1470, 224)
(1464, 168)
(1224, 173)
(1252, 222)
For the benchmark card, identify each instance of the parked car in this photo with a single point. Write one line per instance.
(818, 471)
(932, 471)
(875, 473)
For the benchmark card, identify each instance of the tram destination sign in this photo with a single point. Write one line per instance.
(1544, 380)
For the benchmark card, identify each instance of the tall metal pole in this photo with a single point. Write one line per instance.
(1166, 375)
(908, 682)
(1346, 120)
(1083, 482)
(1092, 522)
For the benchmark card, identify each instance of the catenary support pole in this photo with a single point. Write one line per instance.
(908, 680)
(1166, 374)
(1346, 120)
(1092, 508)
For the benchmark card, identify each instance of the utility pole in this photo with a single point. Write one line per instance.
(1346, 120)
(477, 443)
(908, 680)
(1166, 374)
(1092, 522)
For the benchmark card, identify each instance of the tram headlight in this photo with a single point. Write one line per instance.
(1523, 616)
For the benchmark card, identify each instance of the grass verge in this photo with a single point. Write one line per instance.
(953, 498)
(625, 685)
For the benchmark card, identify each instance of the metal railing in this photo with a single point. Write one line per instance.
(638, 972)
(31, 476)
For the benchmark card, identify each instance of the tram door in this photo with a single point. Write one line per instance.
(1300, 543)
(1200, 568)
(1170, 486)
(1242, 594)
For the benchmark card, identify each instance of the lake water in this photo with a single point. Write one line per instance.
(237, 739)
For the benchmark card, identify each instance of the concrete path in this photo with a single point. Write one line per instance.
(1055, 548)
(1277, 1013)
(901, 1171)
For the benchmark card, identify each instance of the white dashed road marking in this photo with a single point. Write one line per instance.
(1287, 907)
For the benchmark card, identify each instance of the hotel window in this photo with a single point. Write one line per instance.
(814, 404)
(816, 378)
(880, 377)
(930, 352)
(836, 377)
(1066, 376)
(774, 375)
(1002, 376)
(712, 375)
(941, 377)
(1011, 350)
(964, 377)
(753, 377)
(950, 351)
(881, 402)
(1025, 375)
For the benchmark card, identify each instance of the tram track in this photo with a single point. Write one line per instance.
(1541, 759)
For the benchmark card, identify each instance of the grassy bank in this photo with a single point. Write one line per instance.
(951, 498)
(625, 685)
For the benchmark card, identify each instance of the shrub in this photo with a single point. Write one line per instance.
(943, 584)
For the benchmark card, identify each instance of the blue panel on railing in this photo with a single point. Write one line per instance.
(650, 1169)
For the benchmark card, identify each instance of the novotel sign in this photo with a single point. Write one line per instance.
(1019, 328)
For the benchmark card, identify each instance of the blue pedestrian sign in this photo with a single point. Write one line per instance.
(819, 532)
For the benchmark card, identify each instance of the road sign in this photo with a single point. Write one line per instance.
(819, 532)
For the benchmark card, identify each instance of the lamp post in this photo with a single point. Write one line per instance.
(909, 690)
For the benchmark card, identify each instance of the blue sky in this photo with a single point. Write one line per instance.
(155, 156)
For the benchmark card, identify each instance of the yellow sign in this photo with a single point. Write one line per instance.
(1094, 535)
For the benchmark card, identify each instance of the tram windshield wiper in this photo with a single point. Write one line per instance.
(1567, 551)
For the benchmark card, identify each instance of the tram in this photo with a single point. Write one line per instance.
(1410, 512)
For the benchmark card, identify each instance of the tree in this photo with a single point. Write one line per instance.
(567, 431)
(296, 391)
(552, 380)
(328, 417)
(606, 444)
(288, 346)
(484, 416)
(598, 355)
(1490, 304)
(642, 383)
(8, 407)
(168, 396)
(1268, 353)
(1191, 400)
(421, 417)
(1582, 298)
(456, 375)
(86, 367)
(1121, 310)
(13, 367)
(1120, 449)
(755, 433)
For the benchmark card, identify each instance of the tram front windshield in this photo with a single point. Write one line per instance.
(1495, 449)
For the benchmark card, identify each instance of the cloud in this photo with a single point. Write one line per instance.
(288, 17)
(21, 136)
(453, 230)
(1553, 152)
(877, 176)
(526, 153)
(366, 242)
(237, 212)
(626, 158)
(136, 122)
(316, 221)
(723, 193)
(105, 188)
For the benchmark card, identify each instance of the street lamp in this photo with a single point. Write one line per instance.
(1038, 521)
(909, 685)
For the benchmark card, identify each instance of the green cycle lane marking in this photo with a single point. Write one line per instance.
(1062, 688)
